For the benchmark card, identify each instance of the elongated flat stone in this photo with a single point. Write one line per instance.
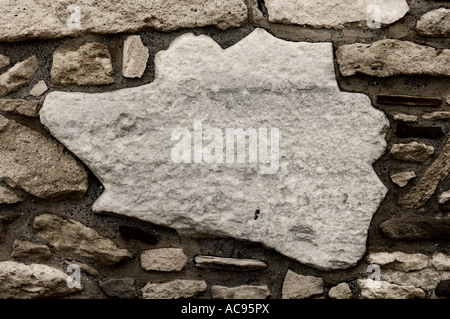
(408, 100)
(336, 13)
(405, 118)
(399, 260)
(436, 116)
(163, 259)
(413, 228)
(235, 264)
(25, 249)
(435, 23)
(371, 289)
(316, 184)
(20, 106)
(174, 289)
(412, 152)
(240, 292)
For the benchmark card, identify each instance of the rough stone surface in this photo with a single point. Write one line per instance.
(174, 289)
(392, 57)
(399, 260)
(37, 164)
(438, 115)
(7, 196)
(435, 23)
(5, 219)
(25, 249)
(426, 279)
(23, 20)
(89, 64)
(412, 152)
(39, 89)
(371, 289)
(18, 76)
(135, 57)
(4, 61)
(241, 292)
(20, 281)
(443, 289)
(72, 237)
(441, 261)
(412, 228)
(163, 259)
(20, 106)
(341, 291)
(405, 118)
(333, 14)
(122, 288)
(83, 267)
(402, 179)
(296, 286)
(233, 264)
(324, 191)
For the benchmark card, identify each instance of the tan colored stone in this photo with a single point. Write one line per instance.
(18, 76)
(240, 292)
(405, 118)
(438, 115)
(402, 179)
(426, 279)
(297, 286)
(441, 261)
(341, 291)
(25, 249)
(371, 289)
(412, 152)
(234, 264)
(20, 106)
(135, 57)
(7, 196)
(163, 259)
(174, 289)
(4, 61)
(83, 267)
(399, 260)
(435, 23)
(39, 89)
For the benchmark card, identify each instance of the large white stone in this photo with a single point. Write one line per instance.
(371, 289)
(317, 204)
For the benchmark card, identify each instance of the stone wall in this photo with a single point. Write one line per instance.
(357, 206)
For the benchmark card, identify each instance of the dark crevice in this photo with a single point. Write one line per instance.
(262, 7)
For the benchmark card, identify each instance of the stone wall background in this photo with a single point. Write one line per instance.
(414, 240)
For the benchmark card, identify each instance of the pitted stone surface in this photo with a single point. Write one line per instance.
(20, 106)
(435, 23)
(321, 195)
(18, 76)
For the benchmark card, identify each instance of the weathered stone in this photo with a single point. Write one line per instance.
(233, 264)
(398, 31)
(412, 152)
(341, 291)
(4, 220)
(435, 173)
(371, 289)
(174, 289)
(296, 286)
(402, 179)
(426, 279)
(19, 106)
(4, 61)
(20, 281)
(37, 164)
(443, 289)
(322, 14)
(412, 228)
(129, 146)
(83, 267)
(23, 20)
(135, 57)
(441, 261)
(18, 76)
(25, 249)
(405, 118)
(163, 259)
(399, 260)
(136, 233)
(392, 57)
(444, 201)
(435, 23)
(408, 100)
(72, 237)
(240, 292)
(438, 115)
(122, 288)
(7, 196)
(39, 89)
(408, 131)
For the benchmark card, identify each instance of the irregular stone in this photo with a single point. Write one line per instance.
(443, 289)
(412, 152)
(399, 260)
(412, 228)
(435, 23)
(408, 100)
(240, 292)
(174, 289)
(163, 259)
(128, 146)
(447, 100)
(5, 219)
(232, 264)
(38, 164)
(83, 267)
(341, 291)
(122, 288)
(137, 233)
(39, 89)
(435, 173)
(322, 14)
(438, 115)
(296, 286)
(4, 61)
(426, 279)
(392, 57)
(72, 237)
(89, 64)
(135, 57)
(398, 31)
(371, 289)
(441, 261)
(7, 196)
(25, 249)
(23, 20)
(444, 201)
(19, 106)
(409, 131)
(18, 76)
(20, 281)
(402, 179)
(405, 118)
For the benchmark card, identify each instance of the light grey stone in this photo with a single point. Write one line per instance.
(371, 289)
(437, 115)
(405, 118)
(399, 260)
(39, 89)
(296, 286)
(7, 196)
(444, 197)
(20, 106)
(441, 261)
(341, 291)
(236, 264)
(18, 76)
(335, 13)
(435, 23)
(324, 189)
(174, 289)
(4, 61)
(390, 57)
(135, 57)
(240, 292)
(25, 249)
(412, 152)
(163, 259)
(426, 279)
(402, 179)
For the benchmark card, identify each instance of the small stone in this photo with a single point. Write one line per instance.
(18, 76)
(441, 261)
(426, 279)
(122, 288)
(163, 259)
(443, 289)
(25, 249)
(398, 31)
(412, 152)
(447, 100)
(5, 219)
(89, 64)
(402, 179)
(371, 289)
(4, 61)
(405, 118)
(413, 228)
(240, 292)
(444, 197)
(83, 267)
(408, 100)
(435, 23)
(7, 196)
(39, 89)
(438, 115)
(399, 260)
(175, 289)
(408, 131)
(232, 264)
(72, 237)
(135, 57)
(341, 291)
(19, 106)
(137, 233)
(297, 286)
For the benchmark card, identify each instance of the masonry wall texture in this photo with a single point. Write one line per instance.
(358, 207)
